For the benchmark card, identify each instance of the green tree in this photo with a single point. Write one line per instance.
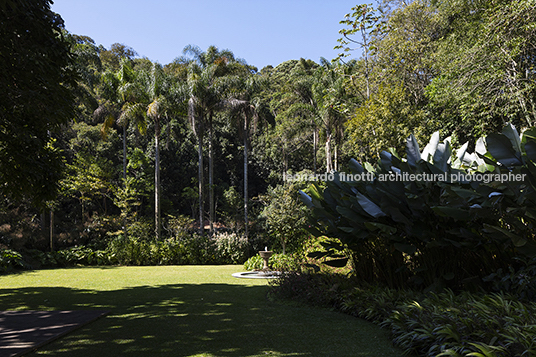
(162, 105)
(284, 217)
(121, 92)
(486, 64)
(205, 88)
(363, 23)
(247, 109)
(36, 77)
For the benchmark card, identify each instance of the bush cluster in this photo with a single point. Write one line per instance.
(279, 262)
(222, 248)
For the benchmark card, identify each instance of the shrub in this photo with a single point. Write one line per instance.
(519, 280)
(254, 263)
(284, 218)
(279, 262)
(10, 260)
(230, 248)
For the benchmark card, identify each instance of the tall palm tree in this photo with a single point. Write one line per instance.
(328, 93)
(206, 84)
(247, 109)
(159, 94)
(320, 95)
(121, 92)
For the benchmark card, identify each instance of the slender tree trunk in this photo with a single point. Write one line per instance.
(51, 230)
(285, 163)
(329, 165)
(315, 143)
(246, 222)
(336, 157)
(200, 183)
(125, 152)
(210, 175)
(157, 186)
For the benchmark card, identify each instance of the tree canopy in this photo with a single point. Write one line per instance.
(36, 78)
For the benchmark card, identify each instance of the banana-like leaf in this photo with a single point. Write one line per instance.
(442, 155)
(430, 148)
(315, 192)
(306, 199)
(530, 150)
(356, 167)
(347, 229)
(480, 146)
(369, 167)
(460, 153)
(350, 214)
(528, 142)
(374, 226)
(412, 149)
(369, 206)
(500, 147)
(456, 213)
(511, 133)
(516, 240)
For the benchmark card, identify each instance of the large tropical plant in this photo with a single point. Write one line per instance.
(440, 217)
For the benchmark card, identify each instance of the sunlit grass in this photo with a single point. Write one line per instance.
(186, 311)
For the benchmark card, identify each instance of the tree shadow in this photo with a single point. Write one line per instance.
(199, 319)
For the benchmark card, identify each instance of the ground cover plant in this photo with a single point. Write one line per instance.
(186, 311)
(425, 324)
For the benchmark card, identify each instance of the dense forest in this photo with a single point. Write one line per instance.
(130, 147)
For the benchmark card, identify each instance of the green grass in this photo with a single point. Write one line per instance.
(186, 311)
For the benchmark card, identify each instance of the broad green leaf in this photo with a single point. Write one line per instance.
(369, 206)
(442, 156)
(516, 240)
(500, 147)
(456, 213)
(530, 150)
(412, 149)
(430, 148)
(347, 229)
(356, 167)
(373, 226)
(306, 199)
(511, 133)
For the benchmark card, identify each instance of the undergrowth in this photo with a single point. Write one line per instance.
(425, 324)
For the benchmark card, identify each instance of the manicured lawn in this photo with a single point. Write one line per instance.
(186, 311)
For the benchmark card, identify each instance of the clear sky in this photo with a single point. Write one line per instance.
(261, 32)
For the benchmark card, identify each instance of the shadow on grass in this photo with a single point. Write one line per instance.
(199, 320)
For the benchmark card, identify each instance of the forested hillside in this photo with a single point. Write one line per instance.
(134, 148)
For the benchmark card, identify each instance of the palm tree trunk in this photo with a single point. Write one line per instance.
(125, 152)
(315, 144)
(157, 187)
(210, 175)
(329, 165)
(51, 230)
(200, 183)
(246, 222)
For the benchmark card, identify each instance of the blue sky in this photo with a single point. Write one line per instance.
(261, 32)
